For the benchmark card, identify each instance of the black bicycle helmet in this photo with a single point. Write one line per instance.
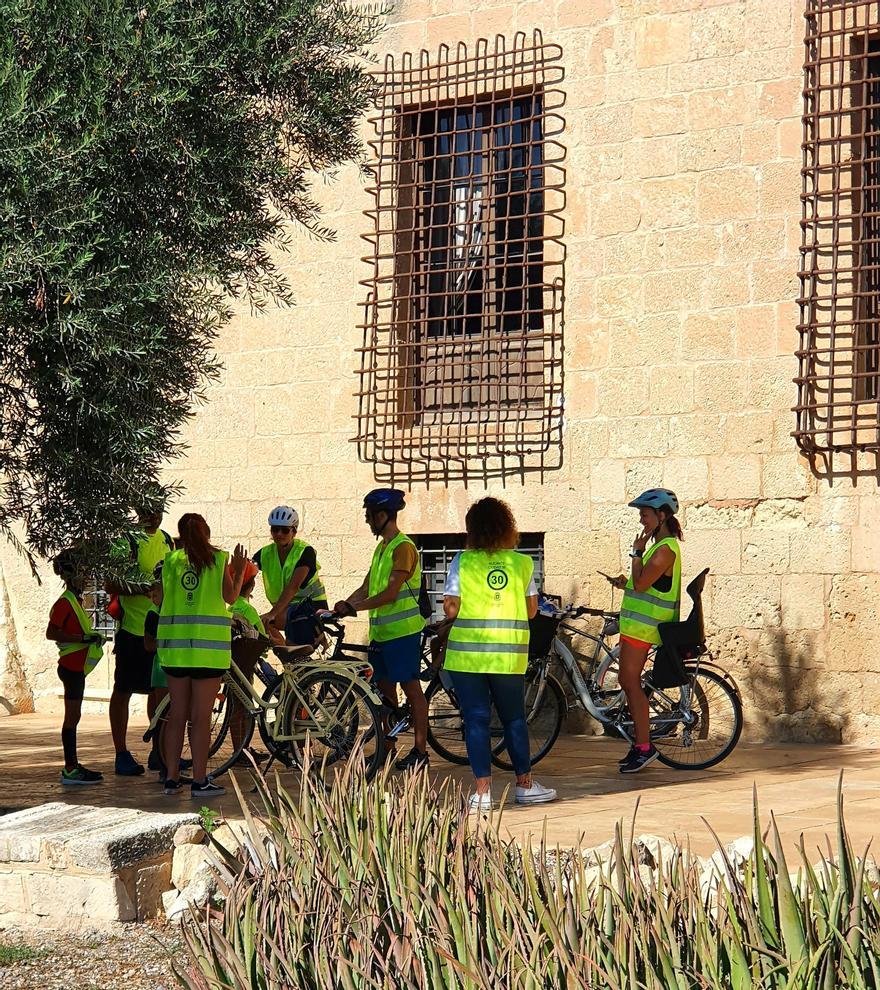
(385, 500)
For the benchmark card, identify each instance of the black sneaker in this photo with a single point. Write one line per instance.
(154, 761)
(182, 779)
(414, 760)
(638, 760)
(628, 757)
(173, 786)
(80, 775)
(127, 765)
(206, 789)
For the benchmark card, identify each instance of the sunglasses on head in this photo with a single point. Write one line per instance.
(279, 529)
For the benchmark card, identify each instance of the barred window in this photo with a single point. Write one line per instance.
(839, 356)
(95, 602)
(438, 549)
(461, 361)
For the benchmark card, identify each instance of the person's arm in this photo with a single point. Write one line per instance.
(233, 575)
(349, 606)
(531, 606)
(451, 606)
(645, 576)
(150, 644)
(386, 597)
(297, 580)
(57, 635)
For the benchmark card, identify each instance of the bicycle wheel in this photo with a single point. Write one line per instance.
(287, 753)
(545, 713)
(445, 724)
(698, 725)
(337, 717)
(232, 728)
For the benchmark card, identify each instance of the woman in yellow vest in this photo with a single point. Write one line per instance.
(491, 594)
(651, 595)
(194, 643)
(290, 570)
(79, 650)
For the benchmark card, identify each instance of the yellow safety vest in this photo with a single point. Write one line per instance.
(641, 612)
(276, 578)
(151, 550)
(490, 635)
(401, 617)
(241, 606)
(96, 650)
(195, 629)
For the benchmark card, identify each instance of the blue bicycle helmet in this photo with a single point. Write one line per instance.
(385, 500)
(656, 498)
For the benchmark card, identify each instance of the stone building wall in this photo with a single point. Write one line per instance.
(683, 137)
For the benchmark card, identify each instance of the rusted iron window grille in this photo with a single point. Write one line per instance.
(839, 356)
(437, 550)
(461, 366)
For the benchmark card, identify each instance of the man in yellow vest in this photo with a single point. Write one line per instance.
(290, 571)
(136, 561)
(390, 593)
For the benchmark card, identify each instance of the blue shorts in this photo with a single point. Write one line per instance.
(397, 660)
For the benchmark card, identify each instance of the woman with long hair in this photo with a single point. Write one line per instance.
(651, 596)
(194, 643)
(491, 595)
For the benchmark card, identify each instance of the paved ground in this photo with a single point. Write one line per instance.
(797, 782)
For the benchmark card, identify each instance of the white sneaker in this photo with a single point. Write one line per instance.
(480, 802)
(536, 794)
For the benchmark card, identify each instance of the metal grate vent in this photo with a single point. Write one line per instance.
(839, 356)
(461, 364)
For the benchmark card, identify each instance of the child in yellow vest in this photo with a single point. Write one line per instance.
(79, 650)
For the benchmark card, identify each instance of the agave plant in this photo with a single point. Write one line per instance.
(389, 884)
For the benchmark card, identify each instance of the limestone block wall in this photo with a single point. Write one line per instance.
(683, 139)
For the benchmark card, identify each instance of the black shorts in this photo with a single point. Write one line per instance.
(74, 682)
(134, 665)
(196, 673)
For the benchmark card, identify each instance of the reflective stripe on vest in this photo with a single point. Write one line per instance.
(641, 612)
(276, 577)
(96, 651)
(194, 625)
(491, 632)
(402, 616)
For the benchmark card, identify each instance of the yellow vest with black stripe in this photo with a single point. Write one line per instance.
(195, 629)
(276, 577)
(641, 612)
(402, 616)
(96, 650)
(491, 632)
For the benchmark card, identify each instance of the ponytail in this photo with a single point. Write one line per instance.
(195, 541)
(674, 527)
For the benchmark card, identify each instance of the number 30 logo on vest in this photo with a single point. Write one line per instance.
(497, 581)
(189, 581)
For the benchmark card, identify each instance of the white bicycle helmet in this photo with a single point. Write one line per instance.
(284, 515)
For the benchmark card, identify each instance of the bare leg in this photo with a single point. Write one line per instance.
(632, 663)
(180, 689)
(388, 690)
(119, 719)
(419, 711)
(202, 705)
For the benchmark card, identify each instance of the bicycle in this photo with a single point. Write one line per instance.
(315, 699)
(694, 725)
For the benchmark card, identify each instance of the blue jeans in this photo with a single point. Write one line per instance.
(476, 695)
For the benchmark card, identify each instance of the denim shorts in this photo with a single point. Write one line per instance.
(397, 660)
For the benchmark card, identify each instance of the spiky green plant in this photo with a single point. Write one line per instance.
(362, 886)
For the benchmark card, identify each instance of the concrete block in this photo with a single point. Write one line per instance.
(13, 894)
(101, 898)
(188, 863)
(150, 884)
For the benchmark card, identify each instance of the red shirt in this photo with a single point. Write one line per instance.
(63, 616)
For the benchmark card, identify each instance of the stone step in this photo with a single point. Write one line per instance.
(65, 865)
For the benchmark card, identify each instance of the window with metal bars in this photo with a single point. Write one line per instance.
(438, 549)
(461, 362)
(95, 601)
(839, 356)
